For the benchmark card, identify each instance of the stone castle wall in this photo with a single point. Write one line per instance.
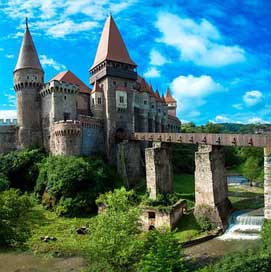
(8, 138)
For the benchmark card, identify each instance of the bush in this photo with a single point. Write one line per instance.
(162, 253)
(73, 183)
(14, 207)
(115, 243)
(204, 216)
(4, 183)
(20, 168)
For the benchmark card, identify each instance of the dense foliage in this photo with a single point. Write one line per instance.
(14, 229)
(70, 185)
(19, 169)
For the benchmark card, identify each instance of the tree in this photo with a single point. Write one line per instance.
(162, 253)
(251, 169)
(14, 207)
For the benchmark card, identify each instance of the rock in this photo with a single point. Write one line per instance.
(47, 238)
(82, 230)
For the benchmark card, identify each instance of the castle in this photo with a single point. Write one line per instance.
(66, 117)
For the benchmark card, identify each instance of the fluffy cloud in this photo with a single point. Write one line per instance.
(238, 106)
(257, 120)
(252, 98)
(191, 86)
(198, 42)
(222, 119)
(9, 56)
(157, 59)
(8, 114)
(152, 72)
(11, 99)
(46, 61)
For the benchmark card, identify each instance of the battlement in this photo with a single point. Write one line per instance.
(8, 122)
(60, 87)
(66, 128)
(90, 122)
(7, 138)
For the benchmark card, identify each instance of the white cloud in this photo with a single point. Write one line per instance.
(46, 61)
(257, 120)
(237, 106)
(1, 49)
(198, 42)
(222, 119)
(69, 27)
(157, 58)
(8, 114)
(11, 99)
(252, 98)
(9, 56)
(152, 72)
(191, 86)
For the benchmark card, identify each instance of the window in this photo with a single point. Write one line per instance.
(121, 99)
(145, 102)
(99, 100)
(159, 110)
(93, 101)
(125, 84)
(66, 116)
(152, 106)
(151, 215)
(114, 83)
(65, 97)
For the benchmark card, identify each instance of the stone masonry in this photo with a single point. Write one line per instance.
(158, 169)
(211, 191)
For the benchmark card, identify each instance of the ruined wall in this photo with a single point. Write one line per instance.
(158, 169)
(210, 183)
(267, 183)
(8, 139)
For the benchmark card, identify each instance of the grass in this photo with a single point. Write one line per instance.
(68, 242)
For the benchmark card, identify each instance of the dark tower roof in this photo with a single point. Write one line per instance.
(111, 45)
(28, 57)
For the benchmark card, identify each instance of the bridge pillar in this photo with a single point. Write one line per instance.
(129, 162)
(158, 169)
(267, 183)
(211, 190)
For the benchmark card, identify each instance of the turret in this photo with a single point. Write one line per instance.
(28, 80)
(114, 72)
(171, 102)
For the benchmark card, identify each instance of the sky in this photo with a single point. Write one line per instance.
(214, 55)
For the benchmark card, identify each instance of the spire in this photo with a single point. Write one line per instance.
(169, 98)
(28, 57)
(111, 45)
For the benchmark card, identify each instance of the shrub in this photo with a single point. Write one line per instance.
(73, 183)
(204, 216)
(20, 168)
(14, 229)
(162, 253)
(4, 183)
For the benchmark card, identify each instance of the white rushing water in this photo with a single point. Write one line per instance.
(244, 226)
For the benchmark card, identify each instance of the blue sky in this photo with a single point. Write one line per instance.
(214, 55)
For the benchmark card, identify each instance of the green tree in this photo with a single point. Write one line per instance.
(162, 253)
(115, 243)
(251, 169)
(14, 207)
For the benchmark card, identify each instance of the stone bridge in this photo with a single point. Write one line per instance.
(211, 188)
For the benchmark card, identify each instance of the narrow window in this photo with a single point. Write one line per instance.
(151, 215)
(125, 84)
(93, 101)
(145, 102)
(66, 116)
(99, 100)
(121, 99)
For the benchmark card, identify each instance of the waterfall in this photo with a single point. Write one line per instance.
(244, 225)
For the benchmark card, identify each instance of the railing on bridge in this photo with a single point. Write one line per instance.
(257, 140)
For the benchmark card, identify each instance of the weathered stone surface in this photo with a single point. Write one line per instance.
(7, 138)
(158, 169)
(211, 188)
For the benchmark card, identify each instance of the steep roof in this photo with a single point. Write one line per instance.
(69, 77)
(157, 96)
(169, 98)
(111, 45)
(28, 57)
(143, 84)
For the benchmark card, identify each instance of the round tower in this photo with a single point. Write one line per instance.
(28, 77)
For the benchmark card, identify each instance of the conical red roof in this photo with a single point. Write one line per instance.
(69, 77)
(169, 98)
(111, 45)
(28, 57)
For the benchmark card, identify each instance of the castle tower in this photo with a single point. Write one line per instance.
(28, 80)
(114, 72)
(171, 102)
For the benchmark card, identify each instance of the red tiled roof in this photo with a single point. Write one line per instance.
(157, 96)
(111, 45)
(143, 84)
(169, 98)
(69, 77)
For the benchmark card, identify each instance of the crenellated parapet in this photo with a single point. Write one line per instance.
(90, 122)
(66, 138)
(56, 86)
